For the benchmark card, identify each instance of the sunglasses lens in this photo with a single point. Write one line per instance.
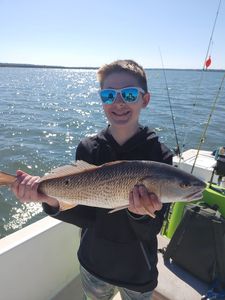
(108, 96)
(129, 94)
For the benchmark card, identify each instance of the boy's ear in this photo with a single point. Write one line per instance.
(146, 100)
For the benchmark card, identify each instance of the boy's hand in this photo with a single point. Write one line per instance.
(142, 202)
(25, 189)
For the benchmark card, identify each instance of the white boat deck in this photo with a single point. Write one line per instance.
(203, 165)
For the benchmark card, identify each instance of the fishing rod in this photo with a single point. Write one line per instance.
(202, 139)
(211, 37)
(202, 72)
(177, 150)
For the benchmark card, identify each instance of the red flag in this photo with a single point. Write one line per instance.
(208, 62)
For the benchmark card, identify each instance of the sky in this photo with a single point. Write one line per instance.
(90, 33)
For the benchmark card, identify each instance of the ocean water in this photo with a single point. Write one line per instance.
(46, 112)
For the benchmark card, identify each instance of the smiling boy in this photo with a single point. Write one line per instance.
(117, 250)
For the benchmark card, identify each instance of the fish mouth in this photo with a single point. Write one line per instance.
(194, 196)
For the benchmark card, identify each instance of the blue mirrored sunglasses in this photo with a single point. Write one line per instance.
(128, 94)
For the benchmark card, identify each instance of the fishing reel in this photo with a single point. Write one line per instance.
(219, 168)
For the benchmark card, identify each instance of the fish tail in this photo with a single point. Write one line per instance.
(6, 179)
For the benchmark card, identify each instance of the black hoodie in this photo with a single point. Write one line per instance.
(119, 248)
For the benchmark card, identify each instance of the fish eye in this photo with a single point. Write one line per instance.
(184, 185)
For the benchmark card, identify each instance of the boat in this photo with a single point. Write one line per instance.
(39, 262)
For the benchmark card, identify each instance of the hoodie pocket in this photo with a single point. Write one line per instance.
(116, 262)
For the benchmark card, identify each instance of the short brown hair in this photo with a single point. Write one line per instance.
(126, 65)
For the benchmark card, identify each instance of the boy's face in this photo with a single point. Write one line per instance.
(120, 113)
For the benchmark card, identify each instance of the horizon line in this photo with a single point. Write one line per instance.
(28, 65)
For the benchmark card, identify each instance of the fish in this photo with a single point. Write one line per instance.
(108, 185)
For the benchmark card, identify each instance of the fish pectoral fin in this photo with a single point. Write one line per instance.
(6, 179)
(118, 208)
(64, 205)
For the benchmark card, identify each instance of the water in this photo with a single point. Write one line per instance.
(45, 112)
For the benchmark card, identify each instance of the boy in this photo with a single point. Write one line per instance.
(119, 249)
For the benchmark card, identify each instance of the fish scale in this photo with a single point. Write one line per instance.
(102, 188)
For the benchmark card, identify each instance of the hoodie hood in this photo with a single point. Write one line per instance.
(144, 134)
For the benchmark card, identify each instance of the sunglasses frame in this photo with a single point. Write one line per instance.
(119, 91)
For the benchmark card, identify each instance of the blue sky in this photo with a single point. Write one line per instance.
(91, 33)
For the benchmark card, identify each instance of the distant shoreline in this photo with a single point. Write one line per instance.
(16, 65)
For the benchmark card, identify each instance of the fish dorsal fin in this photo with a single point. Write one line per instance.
(111, 163)
(83, 165)
(76, 167)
